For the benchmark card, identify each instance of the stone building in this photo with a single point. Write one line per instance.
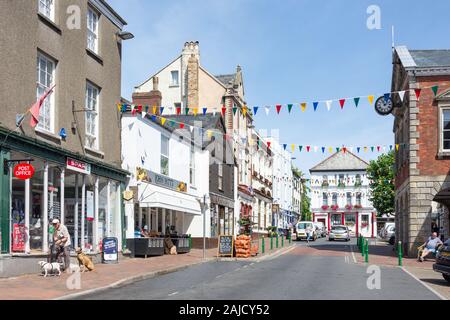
(421, 127)
(75, 147)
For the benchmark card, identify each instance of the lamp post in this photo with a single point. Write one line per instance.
(203, 206)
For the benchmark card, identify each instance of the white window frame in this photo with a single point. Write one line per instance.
(92, 111)
(358, 198)
(47, 8)
(192, 170)
(324, 199)
(442, 109)
(172, 83)
(42, 87)
(93, 19)
(165, 156)
(220, 176)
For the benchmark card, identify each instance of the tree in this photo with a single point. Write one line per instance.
(381, 176)
(305, 199)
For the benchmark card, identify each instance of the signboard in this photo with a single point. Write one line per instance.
(18, 235)
(89, 205)
(160, 180)
(128, 195)
(23, 171)
(225, 246)
(78, 166)
(110, 250)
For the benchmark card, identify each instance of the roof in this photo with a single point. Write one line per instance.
(225, 79)
(431, 58)
(341, 161)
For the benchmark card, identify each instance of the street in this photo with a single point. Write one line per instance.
(319, 270)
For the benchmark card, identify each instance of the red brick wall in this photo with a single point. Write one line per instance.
(428, 128)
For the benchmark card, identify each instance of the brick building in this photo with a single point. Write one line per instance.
(421, 127)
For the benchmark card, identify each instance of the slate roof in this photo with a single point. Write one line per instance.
(225, 79)
(341, 161)
(431, 58)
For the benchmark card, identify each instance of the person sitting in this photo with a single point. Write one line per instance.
(144, 232)
(430, 246)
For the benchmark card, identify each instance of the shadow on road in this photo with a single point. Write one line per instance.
(438, 282)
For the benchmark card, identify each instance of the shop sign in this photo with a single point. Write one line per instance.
(23, 171)
(90, 205)
(78, 166)
(110, 250)
(160, 180)
(128, 195)
(19, 235)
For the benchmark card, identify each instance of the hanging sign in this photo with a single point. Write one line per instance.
(78, 166)
(23, 171)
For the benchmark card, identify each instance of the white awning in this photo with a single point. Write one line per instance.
(151, 196)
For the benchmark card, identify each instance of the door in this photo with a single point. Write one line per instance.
(350, 222)
(336, 219)
(365, 227)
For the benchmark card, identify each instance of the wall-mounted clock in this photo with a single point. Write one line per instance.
(384, 106)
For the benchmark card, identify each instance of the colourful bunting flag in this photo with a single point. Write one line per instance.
(161, 110)
(401, 95)
(328, 103)
(372, 148)
(371, 99)
(435, 90)
(278, 108)
(342, 102)
(267, 108)
(255, 110)
(308, 148)
(387, 96)
(289, 107)
(323, 149)
(417, 92)
(186, 111)
(195, 111)
(178, 110)
(119, 107)
(204, 111)
(224, 110)
(300, 148)
(234, 110)
(153, 118)
(356, 101)
(244, 111)
(397, 147)
(315, 104)
(378, 148)
(303, 107)
(358, 148)
(284, 146)
(268, 144)
(181, 125)
(163, 121)
(330, 149)
(293, 148)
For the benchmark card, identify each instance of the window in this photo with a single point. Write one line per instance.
(358, 199)
(192, 166)
(349, 198)
(92, 34)
(45, 79)
(92, 95)
(446, 129)
(341, 180)
(47, 8)
(325, 181)
(358, 180)
(220, 176)
(174, 78)
(164, 155)
(325, 199)
(334, 201)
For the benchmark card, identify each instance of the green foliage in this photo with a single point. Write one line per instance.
(305, 199)
(381, 175)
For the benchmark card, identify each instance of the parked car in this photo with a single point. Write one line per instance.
(301, 230)
(320, 229)
(387, 231)
(442, 264)
(392, 239)
(339, 232)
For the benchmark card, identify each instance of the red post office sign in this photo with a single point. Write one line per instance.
(23, 171)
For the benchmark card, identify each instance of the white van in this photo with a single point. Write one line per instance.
(301, 230)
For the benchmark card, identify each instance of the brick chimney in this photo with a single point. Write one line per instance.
(150, 99)
(192, 83)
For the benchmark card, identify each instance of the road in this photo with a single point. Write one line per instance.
(320, 270)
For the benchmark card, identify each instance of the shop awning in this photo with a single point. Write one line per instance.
(151, 196)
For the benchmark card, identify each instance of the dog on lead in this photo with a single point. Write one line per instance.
(48, 268)
(84, 260)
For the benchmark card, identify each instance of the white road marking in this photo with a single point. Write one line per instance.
(425, 285)
(353, 255)
(219, 276)
(245, 266)
(252, 263)
(174, 293)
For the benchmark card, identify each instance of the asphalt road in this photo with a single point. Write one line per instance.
(320, 270)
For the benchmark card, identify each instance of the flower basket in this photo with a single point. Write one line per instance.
(325, 207)
(334, 207)
(349, 207)
(358, 206)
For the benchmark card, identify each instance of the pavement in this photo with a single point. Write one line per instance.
(320, 270)
(107, 276)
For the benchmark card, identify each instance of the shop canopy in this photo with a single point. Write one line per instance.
(151, 196)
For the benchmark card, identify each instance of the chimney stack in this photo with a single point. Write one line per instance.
(150, 99)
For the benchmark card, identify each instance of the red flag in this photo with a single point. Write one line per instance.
(140, 109)
(344, 149)
(342, 102)
(181, 125)
(278, 108)
(34, 110)
(378, 148)
(417, 91)
(178, 111)
(268, 144)
(224, 110)
(308, 148)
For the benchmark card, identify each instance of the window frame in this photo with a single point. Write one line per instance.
(96, 112)
(164, 156)
(44, 87)
(220, 176)
(172, 83)
(90, 32)
(49, 5)
(443, 108)
(192, 169)
(324, 199)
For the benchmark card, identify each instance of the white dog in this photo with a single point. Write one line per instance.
(50, 268)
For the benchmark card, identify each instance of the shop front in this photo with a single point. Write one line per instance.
(223, 220)
(60, 187)
(364, 223)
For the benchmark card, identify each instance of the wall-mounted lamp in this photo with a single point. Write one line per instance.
(125, 35)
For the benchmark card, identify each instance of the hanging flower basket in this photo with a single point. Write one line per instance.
(349, 207)
(334, 207)
(358, 206)
(325, 207)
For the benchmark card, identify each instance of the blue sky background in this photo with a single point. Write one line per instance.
(290, 51)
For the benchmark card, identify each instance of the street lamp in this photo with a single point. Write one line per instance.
(203, 206)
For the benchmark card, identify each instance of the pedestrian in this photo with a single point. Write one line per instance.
(430, 246)
(62, 243)
(308, 233)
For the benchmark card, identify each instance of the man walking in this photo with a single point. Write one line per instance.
(61, 240)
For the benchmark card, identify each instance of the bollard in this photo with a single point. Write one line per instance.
(277, 241)
(367, 251)
(282, 241)
(271, 242)
(363, 244)
(263, 245)
(400, 254)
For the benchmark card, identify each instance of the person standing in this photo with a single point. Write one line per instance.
(61, 240)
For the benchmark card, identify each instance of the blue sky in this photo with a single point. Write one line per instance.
(290, 51)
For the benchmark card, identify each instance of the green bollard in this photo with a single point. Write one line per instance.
(357, 240)
(271, 242)
(400, 254)
(363, 245)
(263, 246)
(277, 241)
(290, 238)
(367, 252)
(190, 242)
(282, 241)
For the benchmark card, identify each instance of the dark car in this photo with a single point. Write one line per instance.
(442, 264)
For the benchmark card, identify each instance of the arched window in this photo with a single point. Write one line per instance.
(358, 180)
(325, 181)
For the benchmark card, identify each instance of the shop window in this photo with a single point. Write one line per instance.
(72, 206)
(102, 208)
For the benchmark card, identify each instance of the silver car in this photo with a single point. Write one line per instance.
(339, 232)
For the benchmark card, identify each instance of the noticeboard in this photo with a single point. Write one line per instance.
(110, 252)
(225, 246)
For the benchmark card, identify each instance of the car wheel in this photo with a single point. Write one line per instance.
(447, 277)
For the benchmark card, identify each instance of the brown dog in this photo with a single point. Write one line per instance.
(84, 260)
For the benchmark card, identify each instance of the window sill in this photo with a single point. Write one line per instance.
(94, 56)
(49, 23)
(95, 152)
(443, 155)
(47, 134)
(174, 86)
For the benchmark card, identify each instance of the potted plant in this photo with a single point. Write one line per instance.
(349, 207)
(358, 206)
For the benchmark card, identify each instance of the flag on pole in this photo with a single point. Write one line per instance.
(34, 110)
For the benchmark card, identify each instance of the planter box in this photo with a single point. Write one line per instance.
(146, 247)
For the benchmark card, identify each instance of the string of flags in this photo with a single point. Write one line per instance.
(303, 106)
(302, 148)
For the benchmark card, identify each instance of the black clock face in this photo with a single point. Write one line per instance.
(384, 107)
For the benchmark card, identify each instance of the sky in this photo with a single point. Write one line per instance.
(290, 51)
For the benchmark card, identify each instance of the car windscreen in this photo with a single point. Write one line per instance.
(339, 228)
(303, 225)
